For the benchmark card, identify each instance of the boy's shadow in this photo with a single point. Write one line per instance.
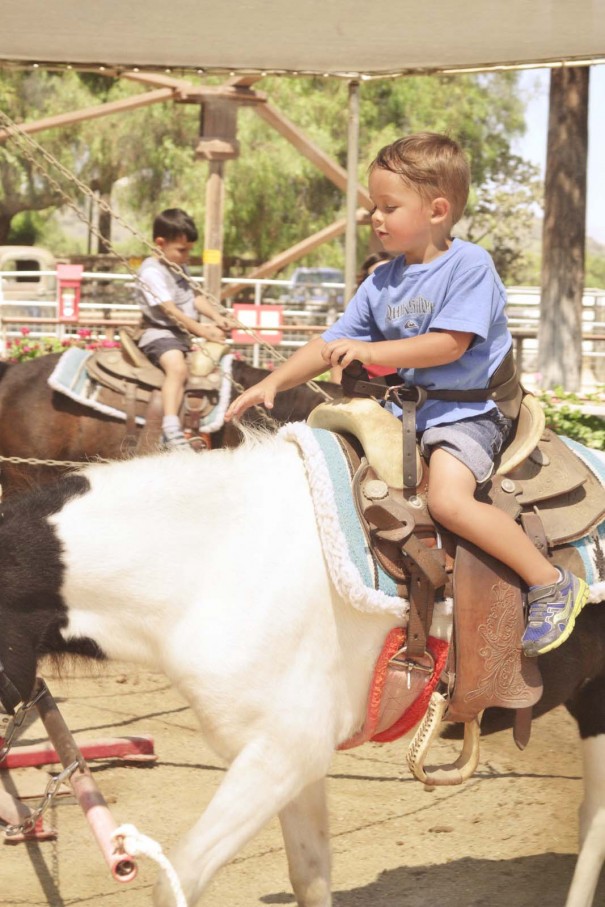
(521, 882)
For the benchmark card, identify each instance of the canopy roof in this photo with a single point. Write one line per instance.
(337, 37)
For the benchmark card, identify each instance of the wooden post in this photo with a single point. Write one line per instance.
(218, 143)
(213, 230)
(352, 160)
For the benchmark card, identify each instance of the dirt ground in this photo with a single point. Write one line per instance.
(507, 838)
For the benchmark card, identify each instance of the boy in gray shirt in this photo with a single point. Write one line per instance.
(172, 312)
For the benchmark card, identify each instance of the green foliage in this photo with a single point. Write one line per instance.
(24, 347)
(564, 416)
(595, 271)
(144, 159)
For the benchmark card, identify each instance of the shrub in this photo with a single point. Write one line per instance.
(24, 347)
(565, 416)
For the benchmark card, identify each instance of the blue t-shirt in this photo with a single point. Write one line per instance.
(458, 291)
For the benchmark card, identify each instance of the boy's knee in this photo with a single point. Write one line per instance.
(446, 509)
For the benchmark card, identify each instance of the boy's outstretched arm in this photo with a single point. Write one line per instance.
(212, 310)
(306, 363)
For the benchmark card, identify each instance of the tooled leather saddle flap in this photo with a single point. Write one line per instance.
(110, 368)
(490, 666)
(557, 486)
(115, 371)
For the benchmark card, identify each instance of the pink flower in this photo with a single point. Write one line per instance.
(84, 333)
(25, 331)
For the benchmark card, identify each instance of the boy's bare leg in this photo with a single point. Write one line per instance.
(555, 597)
(452, 503)
(175, 368)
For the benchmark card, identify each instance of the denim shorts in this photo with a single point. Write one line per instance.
(476, 441)
(154, 350)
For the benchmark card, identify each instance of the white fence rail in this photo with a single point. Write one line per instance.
(107, 302)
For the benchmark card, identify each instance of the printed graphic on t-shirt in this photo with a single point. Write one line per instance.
(418, 305)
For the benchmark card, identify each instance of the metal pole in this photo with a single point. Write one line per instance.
(122, 866)
(352, 161)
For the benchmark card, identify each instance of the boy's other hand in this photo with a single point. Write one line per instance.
(211, 332)
(263, 392)
(342, 352)
(226, 322)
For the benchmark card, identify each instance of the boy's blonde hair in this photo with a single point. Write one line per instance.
(432, 164)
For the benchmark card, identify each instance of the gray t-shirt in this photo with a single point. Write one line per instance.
(157, 284)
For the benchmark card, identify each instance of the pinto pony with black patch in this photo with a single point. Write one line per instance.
(210, 568)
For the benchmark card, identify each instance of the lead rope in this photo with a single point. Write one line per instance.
(27, 145)
(132, 842)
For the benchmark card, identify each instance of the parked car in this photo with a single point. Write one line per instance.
(318, 289)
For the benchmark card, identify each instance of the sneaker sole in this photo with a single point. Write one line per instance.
(577, 608)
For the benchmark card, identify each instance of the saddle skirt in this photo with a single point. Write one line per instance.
(123, 384)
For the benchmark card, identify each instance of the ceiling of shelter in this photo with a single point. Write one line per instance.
(341, 37)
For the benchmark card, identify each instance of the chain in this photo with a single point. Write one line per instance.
(26, 142)
(34, 461)
(16, 720)
(49, 794)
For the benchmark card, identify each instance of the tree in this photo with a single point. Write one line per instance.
(22, 187)
(275, 197)
(563, 239)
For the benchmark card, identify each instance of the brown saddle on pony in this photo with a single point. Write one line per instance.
(538, 480)
(128, 381)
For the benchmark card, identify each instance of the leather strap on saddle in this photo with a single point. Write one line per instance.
(504, 388)
(418, 569)
(490, 666)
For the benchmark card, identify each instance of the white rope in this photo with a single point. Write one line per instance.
(134, 843)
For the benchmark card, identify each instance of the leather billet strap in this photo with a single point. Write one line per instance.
(503, 385)
(408, 404)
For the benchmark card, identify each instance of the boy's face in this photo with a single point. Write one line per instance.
(176, 251)
(402, 219)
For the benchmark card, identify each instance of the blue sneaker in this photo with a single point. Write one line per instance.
(552, 613)
(174, 440)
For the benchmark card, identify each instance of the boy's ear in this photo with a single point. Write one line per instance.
(160, 242)
(440, 208)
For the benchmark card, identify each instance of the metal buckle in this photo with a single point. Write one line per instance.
(405, 393)
(401, 663)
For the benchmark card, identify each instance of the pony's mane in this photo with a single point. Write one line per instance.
(220, 467)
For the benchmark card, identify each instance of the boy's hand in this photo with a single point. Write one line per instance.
(263, 392)
(210, 332)
(342, 352)
(225, 322)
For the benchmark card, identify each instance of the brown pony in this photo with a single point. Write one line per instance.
(37, 422)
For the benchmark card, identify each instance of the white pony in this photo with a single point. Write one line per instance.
(210, 568)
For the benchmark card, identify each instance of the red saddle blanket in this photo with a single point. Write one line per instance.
(399, 696)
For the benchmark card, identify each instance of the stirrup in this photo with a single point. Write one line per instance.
(466, 763)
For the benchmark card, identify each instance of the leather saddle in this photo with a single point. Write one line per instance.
(538, 480)
(129, 382)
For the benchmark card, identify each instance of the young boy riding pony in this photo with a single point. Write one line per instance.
(172, 311)
(435, 313)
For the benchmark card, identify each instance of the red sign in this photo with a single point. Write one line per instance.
(69, 286)
(264, 321)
